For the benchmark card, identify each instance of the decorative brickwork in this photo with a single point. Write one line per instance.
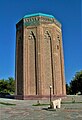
(39, 57)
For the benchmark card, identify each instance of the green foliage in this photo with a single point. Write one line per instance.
(68, 89)
(6, 103)
(75, 84)
(40, 104)
(71, 102)
(7, 86)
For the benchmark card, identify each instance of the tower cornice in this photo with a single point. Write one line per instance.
(39, 18)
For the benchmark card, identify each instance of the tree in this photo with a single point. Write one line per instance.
(7, 86)
(76, 83)
(67, 89)
(3, 85)
(11, 84)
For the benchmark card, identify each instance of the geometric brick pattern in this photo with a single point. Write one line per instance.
(39, 57)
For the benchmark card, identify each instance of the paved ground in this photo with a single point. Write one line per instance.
(23, 110)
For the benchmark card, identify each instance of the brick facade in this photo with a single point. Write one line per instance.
(39, 57)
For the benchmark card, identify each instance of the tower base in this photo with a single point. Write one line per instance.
(38, 97)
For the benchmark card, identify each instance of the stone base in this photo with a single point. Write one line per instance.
(38, 97)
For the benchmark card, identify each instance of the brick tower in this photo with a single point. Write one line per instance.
(39, 57)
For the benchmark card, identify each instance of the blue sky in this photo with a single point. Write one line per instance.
(68, 12)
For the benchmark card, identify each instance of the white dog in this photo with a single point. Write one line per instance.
(56, 103)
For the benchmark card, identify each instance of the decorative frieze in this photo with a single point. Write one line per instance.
(40, 20)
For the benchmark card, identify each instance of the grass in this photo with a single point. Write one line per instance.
(40, 104)
(67, 102)
(6, 103)
(70, 102)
